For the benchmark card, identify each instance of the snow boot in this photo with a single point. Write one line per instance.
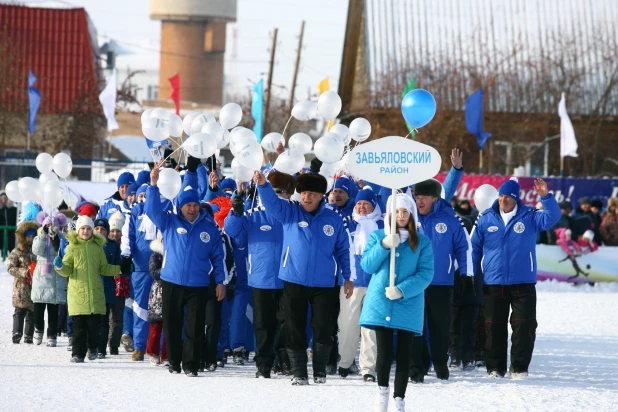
(77, 359)
(16, 338)
(28, 339)
(519, 375)
(70, 345)
(263, 372)
(240, 356)
(381, 403)
(127, 342)
(154, 360)
(298, 364)
(369, 377)
(200, 368)
(400, 405)
(455, 364)
(173, 368)
(441, 372)
(297, 381)
(51, 342)
(92, 355)
(138, 355)
(416, 375)
(221, 363)
(496, 374)
(113, 350)
(467, 366)
(343, 372)
(321, 353)
(191, 374)
(354, 369)
(100, 356)
(38, 337)
(319, 377)
(211, 367)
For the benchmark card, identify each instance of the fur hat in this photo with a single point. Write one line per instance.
(429, 187)
(116, 221)
(282, 181)
(84, 221)
(311, 183)
(22, 228)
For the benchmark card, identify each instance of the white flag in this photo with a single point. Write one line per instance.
(568, 143)
(108, 101)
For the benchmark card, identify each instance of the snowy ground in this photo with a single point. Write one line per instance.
(575, 367)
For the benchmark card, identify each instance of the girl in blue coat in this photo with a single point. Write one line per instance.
(399, 307)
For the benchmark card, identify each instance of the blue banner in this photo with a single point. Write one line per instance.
(257, 108)
(34, 99)
(474, 118)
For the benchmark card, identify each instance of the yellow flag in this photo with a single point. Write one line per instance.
(323, 86)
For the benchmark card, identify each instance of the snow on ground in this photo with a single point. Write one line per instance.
(574, 368)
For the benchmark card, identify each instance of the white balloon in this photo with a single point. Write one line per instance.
(242, 133)
(186, 122)
(160, 113)
(240, 172)
(271, 140)
(343, 132)
(169, 183)
(214, 129)
(70, 199)
(328, 148)
(12, 191)
(329, 170)
(485, 196)
(290, 162)
(210, 118)
(305, 110)
(44, 163)
(225, 140)
(146, 115)
(175, 125)
(301, 142)
(47, 177)
(63, 165)
(200, 145)
(28, 187)
(197, 123)
(329, 105)
(230, 116)
(249, 154)
(52, 194)
(360, 129)
(156, 130)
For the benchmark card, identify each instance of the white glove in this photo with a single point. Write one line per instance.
(393, 293)
(391, 241)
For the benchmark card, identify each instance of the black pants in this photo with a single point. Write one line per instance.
(85, 334)
(116, 322)
(384, 340)
(498, 300)
(463, 332)
(63, 314)
(52, 318)
(438, 303)
(104, 329)
(296, 300)
(333, 358)
(481, 336)
(177, 299)
(267, 313)
(19, 316)
(213, 329)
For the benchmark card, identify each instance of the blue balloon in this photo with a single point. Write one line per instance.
(418, 107)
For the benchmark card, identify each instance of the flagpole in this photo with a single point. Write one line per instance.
(561, 166)
(28, 145)
(109, 146)
(481, 162)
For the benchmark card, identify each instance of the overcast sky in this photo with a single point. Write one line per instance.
(128, 22)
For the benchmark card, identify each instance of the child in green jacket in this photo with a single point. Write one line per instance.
(83, 262)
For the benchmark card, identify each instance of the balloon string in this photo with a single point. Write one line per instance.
(286, 126)
(170, 155)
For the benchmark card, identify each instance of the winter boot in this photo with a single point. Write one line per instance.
(496, 374)
(455, 364)
(416, 375)
(343, 372)
(467, 366)
(381, 403)
(211, 367)
(191, 374)
(354, 369)
(321, 354)
(113, 350)
(38, 337)
(28, 339)
(51, 342)
(319, 377)
(92, 355)
(138, 355)
(154, 360)
(200, 368)
(299, 381)
(369, 377)
(77, 359)
(221, 363)
(16, 337)
(298, 363)
(441, 372)
(174, 367)
(519, 375)
(400, 405)
(263, 372)
(127, 342)
(70, 345)
(100, 356)
(240, 356)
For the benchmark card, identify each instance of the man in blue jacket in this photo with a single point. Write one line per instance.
(316, 247)
(451, 249)
(117, 202)
(193, 248)
(264, 236)
(504, 245)
(344, 193)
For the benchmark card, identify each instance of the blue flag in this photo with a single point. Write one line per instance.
(257, 108)
(34, 98)
(474, 117)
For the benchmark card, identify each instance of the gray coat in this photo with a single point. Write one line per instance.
(47, 285)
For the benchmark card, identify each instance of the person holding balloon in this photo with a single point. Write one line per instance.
(316, 247)
(504, 247)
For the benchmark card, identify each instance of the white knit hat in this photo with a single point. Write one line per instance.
(116, 221)
(84, 221)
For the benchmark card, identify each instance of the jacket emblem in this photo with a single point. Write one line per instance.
(205, 237)
(181, 230)
(329, 230)
(519, 227)
(303, 224)
(441, 227)
(265, 228)
(492, 229)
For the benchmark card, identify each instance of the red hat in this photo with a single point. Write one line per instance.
(87, 209)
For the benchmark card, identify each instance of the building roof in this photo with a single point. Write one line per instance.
(58, 45)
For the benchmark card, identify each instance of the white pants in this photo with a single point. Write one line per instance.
(350, 332)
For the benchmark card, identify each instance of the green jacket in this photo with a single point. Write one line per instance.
(83, 262)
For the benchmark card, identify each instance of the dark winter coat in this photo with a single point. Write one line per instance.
(18, 265)
(112, 253)
(155, 299)
(8, 217)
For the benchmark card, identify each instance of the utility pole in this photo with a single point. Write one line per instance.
(270, 79)
(300, 46)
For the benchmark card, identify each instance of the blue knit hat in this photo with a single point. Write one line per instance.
(143, 177)
(141, 189)
(227, 184)
(132, 189)
(367, 195)
(187, 196)
(510, 188)
(104, 223)
(126, 178)
(346, 184)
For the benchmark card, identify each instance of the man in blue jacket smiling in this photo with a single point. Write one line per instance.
(316, 246)
(504, 245)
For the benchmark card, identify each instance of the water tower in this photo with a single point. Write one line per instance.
(193, 45)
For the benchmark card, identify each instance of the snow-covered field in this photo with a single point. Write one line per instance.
(574, 368)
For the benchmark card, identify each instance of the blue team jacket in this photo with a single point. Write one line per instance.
(114, 204)
(140, 247)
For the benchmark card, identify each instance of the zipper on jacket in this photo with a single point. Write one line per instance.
(249, 261)
(335, 260)
(450, 263)
(286, 256)
(531, 263)
(89, 285)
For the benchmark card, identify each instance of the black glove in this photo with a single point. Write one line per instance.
(229, 292)
(238, 204)
(55, 241)
(126, 265)
(467, 286)
(251, 192)
(192, 164)
(45, 230)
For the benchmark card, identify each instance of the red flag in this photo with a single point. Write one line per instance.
(175, 82)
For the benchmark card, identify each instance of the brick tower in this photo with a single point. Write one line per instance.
(193, 45)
